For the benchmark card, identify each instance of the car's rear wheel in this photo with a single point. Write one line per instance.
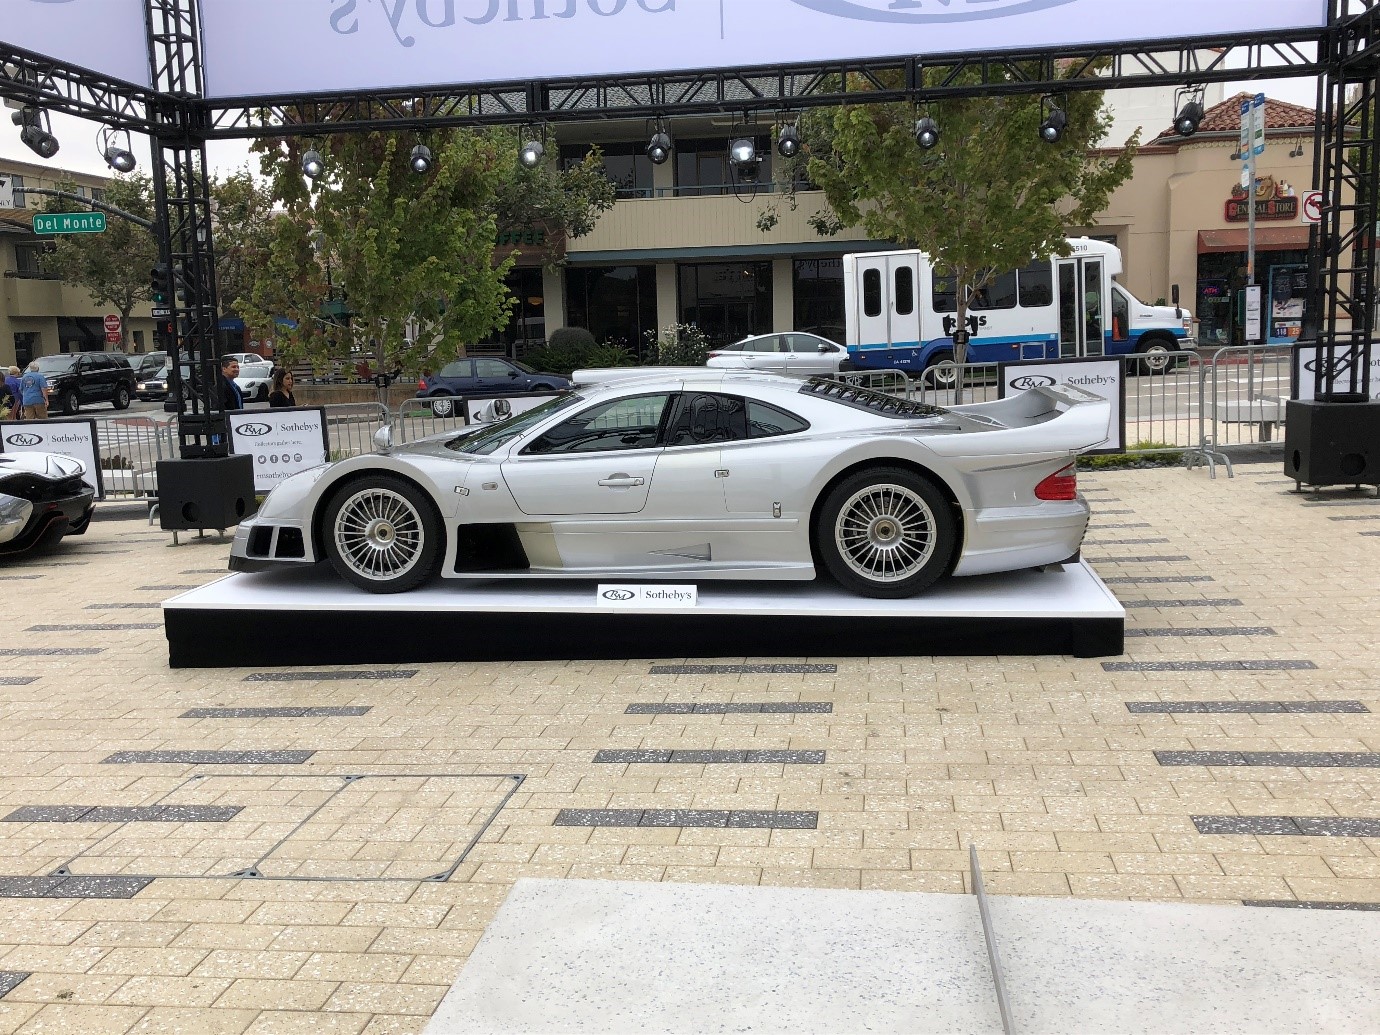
(941, 376)
(383, 534)
(886, 532)
(121, 400)
(442, 407)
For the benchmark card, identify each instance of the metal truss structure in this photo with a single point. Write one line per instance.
(181, 120)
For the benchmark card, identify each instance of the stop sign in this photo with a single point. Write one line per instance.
(112, 322)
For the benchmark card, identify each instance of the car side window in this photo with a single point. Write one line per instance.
(804, 343)
(459, 368)
(767, 421)
(767, 343)
(629, 423)
(704, 417)
(491, 368)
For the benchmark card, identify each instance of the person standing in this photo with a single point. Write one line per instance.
(282, 389)
(33, 393)
(12, 387)
(228, 393)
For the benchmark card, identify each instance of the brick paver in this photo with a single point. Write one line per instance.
(1039, 761)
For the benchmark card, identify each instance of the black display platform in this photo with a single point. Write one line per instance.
(312, 618)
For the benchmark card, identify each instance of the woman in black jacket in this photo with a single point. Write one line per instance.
(282, 389)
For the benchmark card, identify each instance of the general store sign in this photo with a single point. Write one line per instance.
(1273, 200)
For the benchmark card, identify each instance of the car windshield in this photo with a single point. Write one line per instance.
(485, 439)
(524, 367)
(56, 364)
(256, 369)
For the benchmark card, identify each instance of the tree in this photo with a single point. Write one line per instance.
(113, 266)
(242, 223)
(991, 196)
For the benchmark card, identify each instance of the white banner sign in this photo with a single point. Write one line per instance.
(74, 438)
(283, 442)
(640, 597)
(1252, 329)
(1306, 371)
(105, 36)
(1101, 376)
(484, 411)
(279, 47)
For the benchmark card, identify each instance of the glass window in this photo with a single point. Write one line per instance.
(1036, 285)
(945, 298)
(766, 421)
(818, 304)
(28, 260)
(491, 436)
(460, 368)
(702, 166)
(1000, 293)
(808, 343)
(704, 417)
(905, 291)
(766, 343)
(872, 292)
(727, 301)
(1121, 315)
(630, 423)
(491, 368)
(616, 304)
(20, 199)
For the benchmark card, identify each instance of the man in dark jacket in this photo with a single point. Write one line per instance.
(228, 393)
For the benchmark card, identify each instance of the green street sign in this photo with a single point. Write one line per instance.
(70, 223)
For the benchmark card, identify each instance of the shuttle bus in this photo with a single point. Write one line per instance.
(901, 314)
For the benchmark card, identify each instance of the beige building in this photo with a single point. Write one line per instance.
(39, 315)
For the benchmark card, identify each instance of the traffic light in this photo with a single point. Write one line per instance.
(160, 284)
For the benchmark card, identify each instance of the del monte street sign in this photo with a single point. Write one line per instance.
(69, 223)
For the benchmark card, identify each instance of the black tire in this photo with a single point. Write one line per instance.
(886, 532)
(121, 400)
(382, 533)
(1157, 356)
(442, 406)
(69, 403)
(940, 378)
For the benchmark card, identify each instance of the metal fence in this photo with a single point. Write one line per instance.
(417, 418)
(350, 427)
(130, 449)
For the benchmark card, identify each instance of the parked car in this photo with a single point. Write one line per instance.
(484, 375)
(709, 474)
(793, 353)
(255, 380)
(154, 386)
(244, 357)
(147, 364)
(43, 497)
(87, 377)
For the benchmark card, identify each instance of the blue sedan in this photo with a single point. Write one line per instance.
(485, 375)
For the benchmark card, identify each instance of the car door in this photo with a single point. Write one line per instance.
(598, 461)
(495, 377)
(769, 353)
(810, 355)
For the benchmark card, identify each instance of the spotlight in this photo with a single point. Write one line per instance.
(659, 147)
(312, 164)
(1297, 152)
(926, 133)
(1052, 129)
(421, 159)
(120, 160)
(530, 155)
(788, 141)
(742, 155)
(34, 132)
(1190, 115)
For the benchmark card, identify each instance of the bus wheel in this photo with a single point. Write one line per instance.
(941, 376)
(1156, 356)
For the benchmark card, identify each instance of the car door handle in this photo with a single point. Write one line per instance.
(621, 481)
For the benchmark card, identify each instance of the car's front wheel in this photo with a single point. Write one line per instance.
(69, 403)
(886, 532)
(383, 534)
(121, 400)
(1156, 356)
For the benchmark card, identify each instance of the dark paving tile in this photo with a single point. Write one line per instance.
(1306, 707)
(17, 680)
(1264, 707)
(799, 708)
(94, 627)
(732, 708)
(1123, 542)
(18, 578)
(205, 571)
(129, 607)
(598, 817)
(1200, 758)
(707, 757)
(1289, 903)
(1207, 666)
(209, 757)
(1335, 517)
(1370, 533)
(274, 713)
(99, 887)
(687, 818)
(162, 814)
(1129, 580)
(729, 708)
(1124, 524)
(10, 980)
(1219, 602)
(787, 757)
(614, 755)
(1246, 825)
(1142, 559)
(1215, 631)
(1104, 513)
(169, 587)
(682, 708)
(709, 670)
(774, 820)
(1315, 759)
(28, 887)
(684, 818)
(42, 652)
(302, 677)
(47, 814)
(1338, 826)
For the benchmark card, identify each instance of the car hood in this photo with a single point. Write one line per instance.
(44, 465)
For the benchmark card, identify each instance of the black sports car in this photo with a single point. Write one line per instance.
(43, 497)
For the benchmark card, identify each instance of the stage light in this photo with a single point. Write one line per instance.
(788, 141)
(1052, 128)
(312, 164)
(35, 133)
(531, 154)
(659, 147)
(926, 133)
(421, 159)
(1187, 121)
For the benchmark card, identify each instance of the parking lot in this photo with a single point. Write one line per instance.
(321, 849)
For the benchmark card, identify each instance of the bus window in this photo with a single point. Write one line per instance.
(905, 291)
(872, 292)
(1121, 315)
(1036, 286)
(944, 299)
(1000, 293)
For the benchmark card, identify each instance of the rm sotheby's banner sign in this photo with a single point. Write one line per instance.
(283, 442)
(276, 47)
(74, 438)
(1099, 375)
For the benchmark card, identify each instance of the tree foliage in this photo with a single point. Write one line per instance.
(242, 223)
(991, 196)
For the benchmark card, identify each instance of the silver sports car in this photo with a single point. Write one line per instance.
(701, 474)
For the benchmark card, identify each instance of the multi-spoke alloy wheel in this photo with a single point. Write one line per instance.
(886, 532)
(382, 534)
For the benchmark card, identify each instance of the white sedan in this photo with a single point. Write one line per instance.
(255, 381)
(701, 474)
(792, 353)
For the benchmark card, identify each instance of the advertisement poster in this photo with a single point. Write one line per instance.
(480, 410)
(74, 438)
(283, 442)
(1288, 285)
(1102, 376)
(1305, 372)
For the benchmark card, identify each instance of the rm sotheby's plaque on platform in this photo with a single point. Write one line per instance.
(283, 442)
(618, 595)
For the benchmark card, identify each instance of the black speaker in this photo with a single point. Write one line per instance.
(209, 492)
(1332, 443)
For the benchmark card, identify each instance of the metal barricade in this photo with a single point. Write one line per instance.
(418, 417)
(1242, 400)
(892, 382)
(949, 384)
(350, 427)
(1160, 406)
(130, 448)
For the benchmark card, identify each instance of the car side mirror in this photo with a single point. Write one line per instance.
(824, 348)
(512, 373)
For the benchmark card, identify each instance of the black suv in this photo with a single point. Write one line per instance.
(86, 377)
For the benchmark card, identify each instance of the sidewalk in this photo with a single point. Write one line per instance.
(1232, 754)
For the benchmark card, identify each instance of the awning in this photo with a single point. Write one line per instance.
(1267, 238)
(231, 323)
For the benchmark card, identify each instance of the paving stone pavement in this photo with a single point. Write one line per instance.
(1038, 761)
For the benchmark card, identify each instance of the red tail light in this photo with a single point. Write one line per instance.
(1061, 485)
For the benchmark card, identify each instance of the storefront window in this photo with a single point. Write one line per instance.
(819, 297)
(1221, 280)
(617, 304)
(526, 327)
(728, 301)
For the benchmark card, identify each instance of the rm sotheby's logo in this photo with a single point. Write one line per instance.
(252, 430)
(917, 11)
(1028, 381)
(20, 438)
(618, 594)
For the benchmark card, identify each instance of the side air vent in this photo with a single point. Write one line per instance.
(870, 399)
(290, 543)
